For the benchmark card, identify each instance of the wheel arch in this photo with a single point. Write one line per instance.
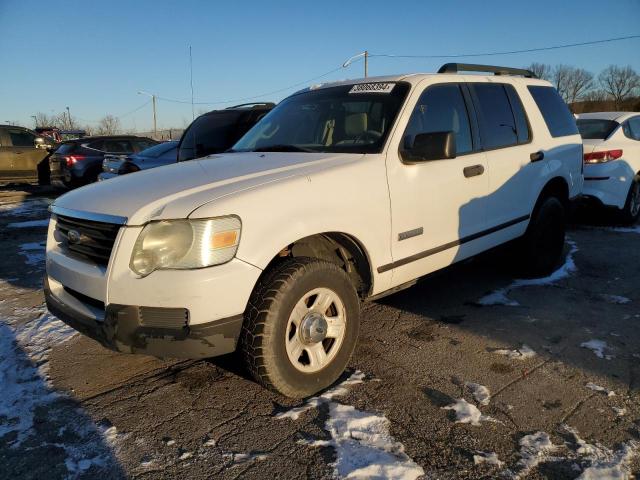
(556, 187)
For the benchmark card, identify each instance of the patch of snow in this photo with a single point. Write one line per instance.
(185, 455)
(467, 413)
(34, 253)
(635, 229)
(480, 393)
(597, 347)
(615, 299)
(26, 207)
(497, 297)
(365, 448)
(489, 458)
(210, 443)
(534, 450)
(244, 457)
(620, 412)
(598, 388)
(30, 224)
(523, 353)
(170, 443)
(314, 402)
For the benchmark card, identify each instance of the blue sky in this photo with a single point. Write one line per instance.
(95, 56)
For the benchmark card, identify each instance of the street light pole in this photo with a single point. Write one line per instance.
(69, 117)
(153, 101)
(364, 54)
(35, 120)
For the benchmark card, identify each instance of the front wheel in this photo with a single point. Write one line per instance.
(300, 327)
(543, 243)
(631, 210)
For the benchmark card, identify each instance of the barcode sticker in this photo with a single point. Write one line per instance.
(372, 88)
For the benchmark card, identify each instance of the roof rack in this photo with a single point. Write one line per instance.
(255, 104)
(470, 67)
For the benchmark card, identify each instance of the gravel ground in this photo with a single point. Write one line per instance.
(469, 374)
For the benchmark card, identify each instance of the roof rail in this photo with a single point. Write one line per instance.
(267, 104)
(470, 67)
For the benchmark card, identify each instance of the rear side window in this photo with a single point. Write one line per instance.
(66, 147)
(22, 138)
(596, 128)
(555, 112)
(97, 145)
(118, 146)
(441, 108)
(498, 125)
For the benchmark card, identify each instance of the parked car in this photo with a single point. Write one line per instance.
(217, 131)
(345, 192)
(23, 155)
(78, 162)
(612, 160)
(162, 154)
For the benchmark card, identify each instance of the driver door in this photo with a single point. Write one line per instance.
(437, 206)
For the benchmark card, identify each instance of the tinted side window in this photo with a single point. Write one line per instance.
(522, 124)
(118, 146)
(97, 145)
(209, 134)
(555, 112)
(497, 123)
(441, 108)
(634, 126)
(22, 138)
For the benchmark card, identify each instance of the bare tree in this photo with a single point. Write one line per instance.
(572, 83)
(44, 120)
(619, 82)
(541, 70)
(108, 125)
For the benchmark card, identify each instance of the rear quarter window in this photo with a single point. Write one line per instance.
(555, 112)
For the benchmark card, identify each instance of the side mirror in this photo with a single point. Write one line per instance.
(431, 146)
(39, 143)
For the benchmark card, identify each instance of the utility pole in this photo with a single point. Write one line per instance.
(35, 120)
(153, 101)
(366, 63)
(193, 112)
(69, 117)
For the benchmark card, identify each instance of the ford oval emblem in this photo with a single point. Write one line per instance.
(73, 236)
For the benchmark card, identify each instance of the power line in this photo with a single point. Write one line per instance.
(509, 52)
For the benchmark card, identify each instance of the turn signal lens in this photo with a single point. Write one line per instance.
(602, 156)
(224, 239)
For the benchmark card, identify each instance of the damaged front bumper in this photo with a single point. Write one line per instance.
(122, 330)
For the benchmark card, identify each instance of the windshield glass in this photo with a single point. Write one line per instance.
(595, 128)
(158, 150)
(349, 119)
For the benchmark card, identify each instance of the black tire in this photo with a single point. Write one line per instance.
(543, 243)
(262, 340)
(631, 211)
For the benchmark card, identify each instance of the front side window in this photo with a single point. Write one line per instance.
(555, 112)
(596, 128)
(498, 126)
(211, 133)
(22, 138)
(348, 119)
(441, 108)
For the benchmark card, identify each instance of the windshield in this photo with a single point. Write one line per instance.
(157, 150)
(595, 128)
(349, 119)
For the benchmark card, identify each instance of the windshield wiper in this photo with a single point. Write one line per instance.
(282, 148)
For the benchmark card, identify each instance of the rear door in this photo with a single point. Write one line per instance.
(25, 155)
(508, 144)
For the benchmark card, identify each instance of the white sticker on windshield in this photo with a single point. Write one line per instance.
(372, 88)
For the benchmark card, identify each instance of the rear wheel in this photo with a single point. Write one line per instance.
(631, 210)
(543, 243)
(301, 327)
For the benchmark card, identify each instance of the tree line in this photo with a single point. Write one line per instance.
(107, 125)
(616, 85)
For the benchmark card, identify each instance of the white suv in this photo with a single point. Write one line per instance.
(612, 160)
(343, 192)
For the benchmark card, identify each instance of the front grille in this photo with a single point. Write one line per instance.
(163, 317)
(89, 239)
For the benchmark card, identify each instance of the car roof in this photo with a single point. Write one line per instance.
(106, 137)
(617, 116)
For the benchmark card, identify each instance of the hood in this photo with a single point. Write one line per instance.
(174, 191)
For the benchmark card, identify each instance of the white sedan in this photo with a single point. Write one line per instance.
(612, 160)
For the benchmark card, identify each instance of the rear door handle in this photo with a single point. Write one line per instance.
(473, 171)
(536, 156)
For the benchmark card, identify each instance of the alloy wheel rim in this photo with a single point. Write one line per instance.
(315, 330)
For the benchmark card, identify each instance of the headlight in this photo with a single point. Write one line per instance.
(185, 244)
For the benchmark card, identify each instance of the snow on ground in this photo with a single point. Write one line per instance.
(365, 448)
(27, 207)
(468, 413)
(501, 295)
(598, 388)
(523, 353)
(30, 224)
(480, 393)
(615, 299)
(635, 229)
(34, 253)
(598, 347)
(489, 458)
(534, 450)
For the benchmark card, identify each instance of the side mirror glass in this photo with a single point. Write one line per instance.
(431, 146)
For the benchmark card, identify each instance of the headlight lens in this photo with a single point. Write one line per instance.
(185, 244)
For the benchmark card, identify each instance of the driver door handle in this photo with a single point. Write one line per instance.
(536, 156)
(473, 171)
